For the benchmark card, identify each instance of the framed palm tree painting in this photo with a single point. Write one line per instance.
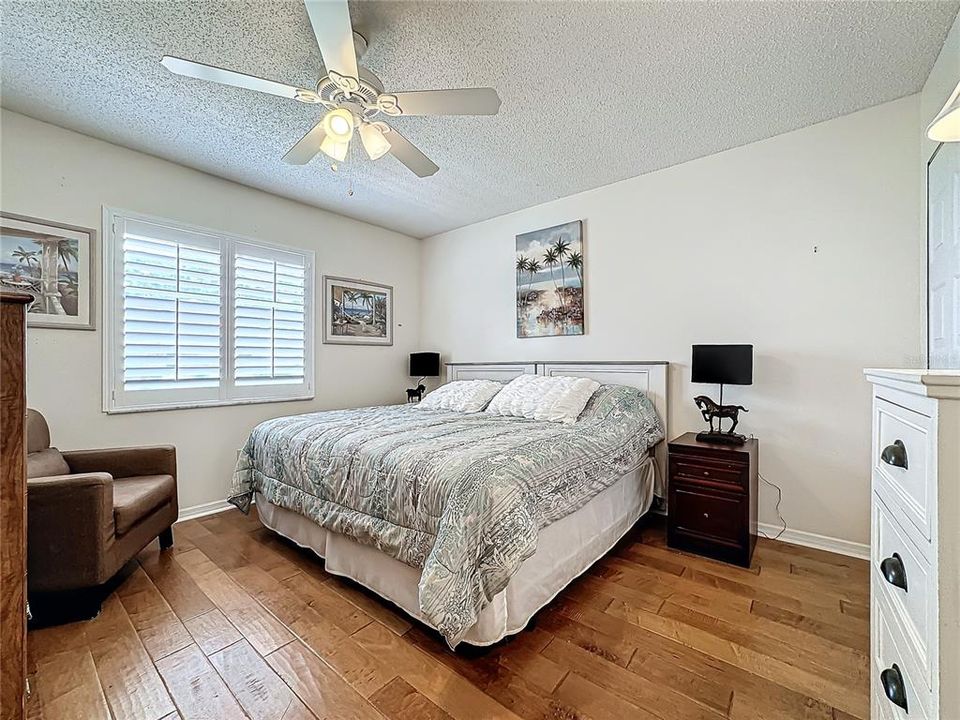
(357, 312)
(53, 262)
(549, 267)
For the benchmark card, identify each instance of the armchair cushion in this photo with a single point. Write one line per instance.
(134, 498)
(47, 462)
(125, 462)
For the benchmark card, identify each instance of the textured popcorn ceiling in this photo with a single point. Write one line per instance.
(593, 92)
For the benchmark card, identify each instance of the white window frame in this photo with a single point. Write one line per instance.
(227, 393)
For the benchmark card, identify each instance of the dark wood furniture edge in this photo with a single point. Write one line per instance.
(13, 505)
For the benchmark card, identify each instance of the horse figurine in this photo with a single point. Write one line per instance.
(416, 394)
(710, 410)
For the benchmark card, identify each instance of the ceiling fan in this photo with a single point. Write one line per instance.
(352, 95)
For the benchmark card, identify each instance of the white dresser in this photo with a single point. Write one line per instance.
(915, 545)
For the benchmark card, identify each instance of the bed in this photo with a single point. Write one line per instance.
(468, 522)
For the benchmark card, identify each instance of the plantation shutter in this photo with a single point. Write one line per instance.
(197, 318)
(270, 326)
(171, 313)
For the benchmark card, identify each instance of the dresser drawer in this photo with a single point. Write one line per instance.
(729, 476)
(891, 653)
(902, 442)
(909, 583)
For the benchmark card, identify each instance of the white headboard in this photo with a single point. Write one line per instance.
(651, 377)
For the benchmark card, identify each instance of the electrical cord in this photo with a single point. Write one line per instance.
(779, 498)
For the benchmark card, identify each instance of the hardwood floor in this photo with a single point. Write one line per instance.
(234, 622)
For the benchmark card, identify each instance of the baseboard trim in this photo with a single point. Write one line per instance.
(818, 542)
(197, 511)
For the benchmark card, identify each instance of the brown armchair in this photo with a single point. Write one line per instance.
(89, 513)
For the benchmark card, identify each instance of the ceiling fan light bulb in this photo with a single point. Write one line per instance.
(334, 149)
(374, 141)
(338, 125)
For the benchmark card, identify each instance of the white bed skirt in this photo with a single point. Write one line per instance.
(566, 549)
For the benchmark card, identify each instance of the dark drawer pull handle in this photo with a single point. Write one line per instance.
(892, 681)
(894, 572)
(895, 454)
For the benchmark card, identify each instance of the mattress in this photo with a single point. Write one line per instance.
(566, 548)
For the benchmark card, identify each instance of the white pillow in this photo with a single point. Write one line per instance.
(556, 399)
(467, 396)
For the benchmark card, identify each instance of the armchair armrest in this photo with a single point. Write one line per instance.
(70, 529)
(125, 462)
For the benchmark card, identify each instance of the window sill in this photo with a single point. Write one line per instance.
(206, 404)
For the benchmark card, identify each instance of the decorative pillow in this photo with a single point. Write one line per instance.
(556, 399)
(46, 463)
(466, 396)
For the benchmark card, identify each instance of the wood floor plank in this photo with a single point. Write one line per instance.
(262, 629)
(772, 639)
(365, 672)
(445, 688)
(305, 559)
(328, 603)
(258, 689)
(196, 687)
(381, 610)
(160, 630)
(596, 703)
(849, 634)
(663, 702)
(182, 594)
(69, 689)
(498, 676)
(129, 678)
(212, 631)
(844, 694)
(398, 700)
(320, 688)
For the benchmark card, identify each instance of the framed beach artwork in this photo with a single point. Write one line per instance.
(549, 266)
(53, 262)
(356, 312)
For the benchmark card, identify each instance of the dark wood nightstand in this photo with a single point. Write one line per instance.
(712, 506)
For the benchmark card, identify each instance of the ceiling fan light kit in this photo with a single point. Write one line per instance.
(374, 142)
(352, 95)
(946, 125)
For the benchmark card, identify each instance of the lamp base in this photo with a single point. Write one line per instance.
(721, 438)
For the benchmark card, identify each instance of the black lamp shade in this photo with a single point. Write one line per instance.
(425, 364)
(722, 364)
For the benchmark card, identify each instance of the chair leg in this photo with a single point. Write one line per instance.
(166, 538)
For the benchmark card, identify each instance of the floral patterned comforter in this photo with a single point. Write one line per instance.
(462, 496)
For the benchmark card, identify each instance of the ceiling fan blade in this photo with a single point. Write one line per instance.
(189, 68)
(407, 153)
(307, 146)
(465, 101)
(331, 25)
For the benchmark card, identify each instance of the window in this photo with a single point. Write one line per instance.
(194, 317)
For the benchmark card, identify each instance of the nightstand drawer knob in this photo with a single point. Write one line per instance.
(706, 515)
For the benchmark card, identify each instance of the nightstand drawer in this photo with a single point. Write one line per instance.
(709, 473)
(715, 516)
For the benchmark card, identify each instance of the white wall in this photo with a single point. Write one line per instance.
(59, 175)
(721, 249)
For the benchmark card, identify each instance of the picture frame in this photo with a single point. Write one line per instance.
(550, 288)
(357, 312)
(56, 263)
